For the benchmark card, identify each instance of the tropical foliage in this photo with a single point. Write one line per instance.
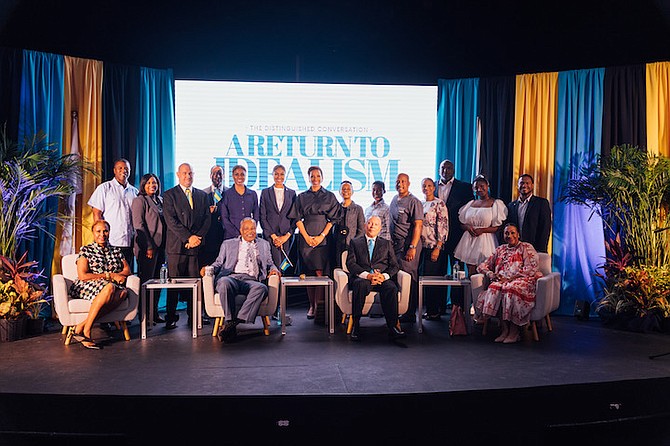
(630, 190)
(22, 291)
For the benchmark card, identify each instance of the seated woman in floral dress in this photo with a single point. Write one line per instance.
(101, 276)
(513, 272)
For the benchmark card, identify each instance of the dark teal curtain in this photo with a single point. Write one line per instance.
(156, 131)
(496, 120)
(11, 62)
(578, 241)
(42, 109)
(121, 109)
(457, 126)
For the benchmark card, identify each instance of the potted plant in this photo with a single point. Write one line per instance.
(630, 190)
(31, 175)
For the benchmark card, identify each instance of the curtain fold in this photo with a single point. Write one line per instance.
(496, 117)
(121, 111)
(578, 239)
(624, 107)
(658, 115)
(457, 126)
(11, 63)
(41, 109)
(535, 131)
(83, 94)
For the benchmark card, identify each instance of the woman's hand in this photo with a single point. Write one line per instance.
(118, 278)
(315, 240)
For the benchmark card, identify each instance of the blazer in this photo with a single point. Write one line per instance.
(149, 225)
(383, 257)
(182, 221)
(225, 263)
(272, 219)
(459, 195)
(536, 223)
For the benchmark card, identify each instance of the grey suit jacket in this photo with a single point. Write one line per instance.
(225, 263)
(149, 226)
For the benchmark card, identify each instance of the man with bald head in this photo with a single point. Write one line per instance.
(187, 217)
(406, 222)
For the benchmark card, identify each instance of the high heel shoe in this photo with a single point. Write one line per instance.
(310, 313)
(512, 340)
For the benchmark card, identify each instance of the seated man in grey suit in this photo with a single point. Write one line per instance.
(373, 266)
(243, 263)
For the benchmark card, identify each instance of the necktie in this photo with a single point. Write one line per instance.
(190, 197)
(371, 247)
(217, 196)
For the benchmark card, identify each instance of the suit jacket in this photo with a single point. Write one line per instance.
(459, 195)
(272, 219)
(536, 223)
(383, 257)
(225, 263)
(182, 221)
(214, 236)
(149, 225)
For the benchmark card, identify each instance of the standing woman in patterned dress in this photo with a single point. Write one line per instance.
(315, 212)
(102, 271)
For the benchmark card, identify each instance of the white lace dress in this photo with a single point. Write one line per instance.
(474, 250)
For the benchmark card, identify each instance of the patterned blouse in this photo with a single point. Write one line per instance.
(101, 259)
(435, 223)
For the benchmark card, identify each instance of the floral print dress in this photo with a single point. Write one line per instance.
(101, 259)
(519, 264)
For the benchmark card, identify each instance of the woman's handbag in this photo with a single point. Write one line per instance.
(457, 322)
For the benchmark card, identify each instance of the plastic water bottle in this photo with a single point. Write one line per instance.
(164, 273)
(455, 268)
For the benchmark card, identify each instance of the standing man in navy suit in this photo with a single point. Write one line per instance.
(214, 237)
(455, 194)
(531, 214)
(187, 216)
(276, 202)
(373, 266)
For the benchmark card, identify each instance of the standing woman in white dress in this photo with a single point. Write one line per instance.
(480, 219)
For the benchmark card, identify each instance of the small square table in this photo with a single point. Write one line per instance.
(179, 283)
(447, 281)
(308, 281)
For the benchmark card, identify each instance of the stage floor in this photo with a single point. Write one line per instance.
(581, 374)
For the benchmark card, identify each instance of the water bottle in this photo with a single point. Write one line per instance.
(164, 273)
(455, 268)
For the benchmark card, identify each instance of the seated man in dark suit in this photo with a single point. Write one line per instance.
(243, 263)
(373, 266)
(531, 214)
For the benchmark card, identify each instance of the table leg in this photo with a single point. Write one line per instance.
(282, 308)
(200, 298)
(331, 309)
(143, 300)
(194, 309)
(467, 303)
(420, 307)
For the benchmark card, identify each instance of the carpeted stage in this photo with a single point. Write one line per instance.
(582, 383)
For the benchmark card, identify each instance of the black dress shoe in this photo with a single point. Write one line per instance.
(170, 325)
(227, 332)
(407, 319)
(158, 319)
(396, 333)
(432, 317)
(356, 332)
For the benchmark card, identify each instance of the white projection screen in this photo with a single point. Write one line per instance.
(360, 133)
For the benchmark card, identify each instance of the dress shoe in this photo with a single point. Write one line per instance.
(407, 318)
(158, 319)
(227, 332)
(396, 333)
(432, 317)
(170, 325)
(356, 332)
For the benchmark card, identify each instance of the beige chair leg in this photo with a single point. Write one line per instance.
(117, 325)
(217, 324)
(70, 332)
(344, 318)
(350, 325)
(64, 330)
(533, 326)
(124, 327)
(266, 325)
(549, 326)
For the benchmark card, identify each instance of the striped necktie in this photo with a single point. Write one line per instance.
(217, 196)
(190, 197)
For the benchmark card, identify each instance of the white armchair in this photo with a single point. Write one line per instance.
(215, 310)
(71, 312)
(547, 295)
(343, 297)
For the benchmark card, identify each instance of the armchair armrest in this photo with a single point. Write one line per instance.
(342, 290)
(478, 283)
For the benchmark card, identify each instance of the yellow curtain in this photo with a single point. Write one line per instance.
(83, 94)
(535, 131)
(658, 115)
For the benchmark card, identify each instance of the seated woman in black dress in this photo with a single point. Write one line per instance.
(315, 212)
(102, 271)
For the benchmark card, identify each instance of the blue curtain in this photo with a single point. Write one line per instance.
(457, 126)
(41, 108)
(578, 240)
(156, 131)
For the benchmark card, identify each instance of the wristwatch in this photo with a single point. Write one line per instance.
(412, 247)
